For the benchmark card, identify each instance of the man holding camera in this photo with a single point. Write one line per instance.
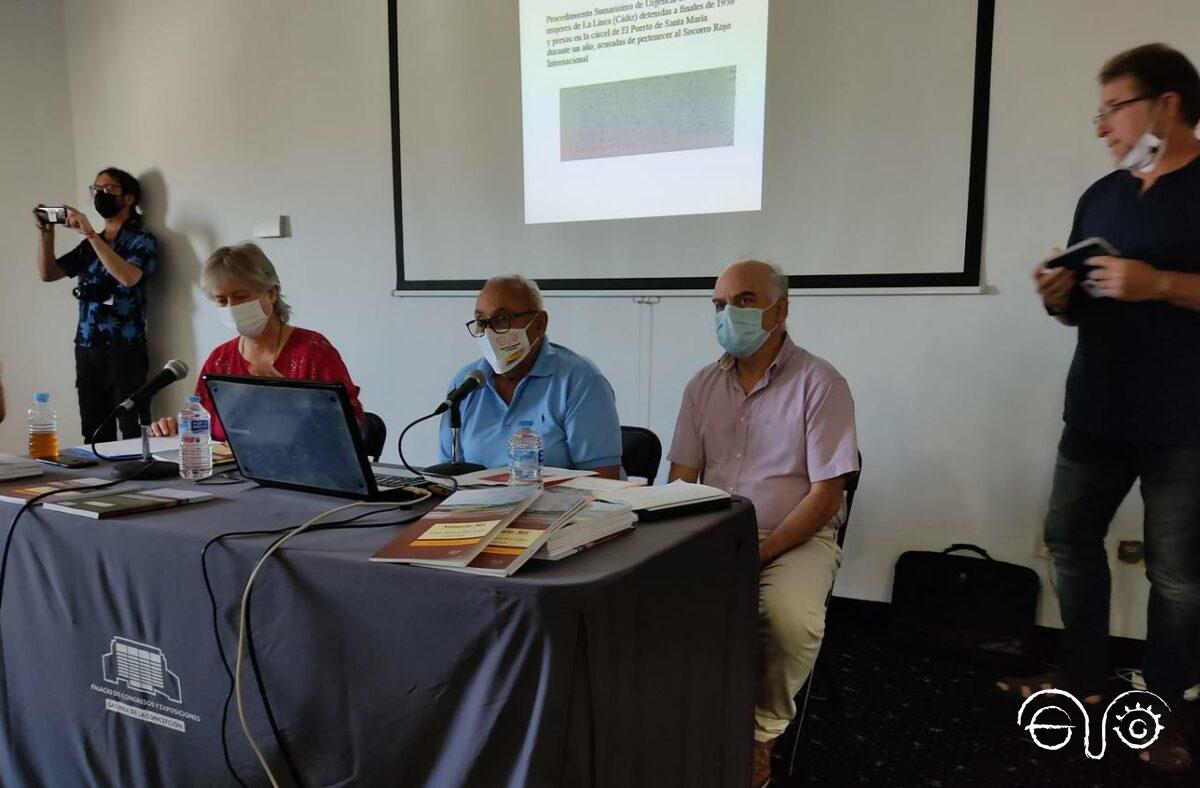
(111, 266)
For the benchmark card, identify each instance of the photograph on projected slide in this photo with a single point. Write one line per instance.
(642, 109)
(649, 115)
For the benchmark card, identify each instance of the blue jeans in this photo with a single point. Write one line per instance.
(1091, 478)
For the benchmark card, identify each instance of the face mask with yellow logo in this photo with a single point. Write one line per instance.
(504, 351)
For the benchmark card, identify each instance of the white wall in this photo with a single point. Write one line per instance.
(37, 164)
(230, 109)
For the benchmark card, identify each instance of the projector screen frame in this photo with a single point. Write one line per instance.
(968, 280)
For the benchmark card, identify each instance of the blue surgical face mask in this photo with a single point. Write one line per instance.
(740, 331)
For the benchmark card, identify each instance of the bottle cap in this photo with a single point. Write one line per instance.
(41, 397)
(193, 399)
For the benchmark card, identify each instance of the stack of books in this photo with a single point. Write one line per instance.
(528, 533)
(598, 523)
(495, 531)
(119, 504)
(455, 531)
(14, 467)
(64, 489)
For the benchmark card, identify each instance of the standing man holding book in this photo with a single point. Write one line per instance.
(774, 423)
(1133, 391)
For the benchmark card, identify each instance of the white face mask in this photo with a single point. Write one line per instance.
(246, 318)
(504, 351)
(1145, 154)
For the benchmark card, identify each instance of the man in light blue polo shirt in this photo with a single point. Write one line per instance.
(529, 378)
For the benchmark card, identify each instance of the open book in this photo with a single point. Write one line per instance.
(678, 497)
(457, 529)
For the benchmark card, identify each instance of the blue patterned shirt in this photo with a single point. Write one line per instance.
(123, 319)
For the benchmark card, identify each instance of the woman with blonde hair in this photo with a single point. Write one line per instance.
(244, 284)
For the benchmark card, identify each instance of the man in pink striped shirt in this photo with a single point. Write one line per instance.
(774, 423)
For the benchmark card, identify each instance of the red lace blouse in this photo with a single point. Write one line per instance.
(305, 356)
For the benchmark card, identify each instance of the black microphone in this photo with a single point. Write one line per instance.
(473, 381)
(172, 371)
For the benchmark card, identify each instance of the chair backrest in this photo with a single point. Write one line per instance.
(641, 452)
(850, 489)
(374, 433)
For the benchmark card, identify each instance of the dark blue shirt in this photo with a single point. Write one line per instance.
(1136, 372)
(123, 321)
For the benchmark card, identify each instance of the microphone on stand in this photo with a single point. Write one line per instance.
(148, 467)
(473, 381)
(172, 371)
(456, 466)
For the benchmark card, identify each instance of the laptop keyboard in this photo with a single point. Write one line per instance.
(383, 480)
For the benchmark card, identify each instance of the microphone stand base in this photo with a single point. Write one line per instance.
(454, 468)
(143, 469)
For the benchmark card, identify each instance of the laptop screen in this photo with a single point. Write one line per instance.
(294, 433)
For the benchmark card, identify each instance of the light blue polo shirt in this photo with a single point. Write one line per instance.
(566, 397)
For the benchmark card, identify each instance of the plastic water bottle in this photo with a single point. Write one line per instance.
(525, 455)
(43, 428)
(195, 441)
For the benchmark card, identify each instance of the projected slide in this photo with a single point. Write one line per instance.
(642, 108)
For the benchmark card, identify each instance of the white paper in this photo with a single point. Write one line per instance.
(673, 494)
(548, 474)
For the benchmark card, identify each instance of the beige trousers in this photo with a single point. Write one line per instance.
(791, 617)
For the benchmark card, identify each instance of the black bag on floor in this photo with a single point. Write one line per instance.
(965, 603)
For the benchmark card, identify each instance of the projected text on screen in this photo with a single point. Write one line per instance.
(642, 108)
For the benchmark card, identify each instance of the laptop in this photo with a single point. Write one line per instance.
(301, 435)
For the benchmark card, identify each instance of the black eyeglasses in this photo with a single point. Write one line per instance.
(499, 324)
(1113, 108)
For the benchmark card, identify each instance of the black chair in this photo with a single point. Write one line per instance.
(374, 435)
(850, 489)
(641, 452)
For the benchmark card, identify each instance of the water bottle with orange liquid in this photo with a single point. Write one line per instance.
(43, 428)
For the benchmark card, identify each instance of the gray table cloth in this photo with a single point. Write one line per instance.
(631, 664)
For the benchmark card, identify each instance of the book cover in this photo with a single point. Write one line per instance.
(511, 548)
(65, 489)
(119, 504)
(458, 528)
